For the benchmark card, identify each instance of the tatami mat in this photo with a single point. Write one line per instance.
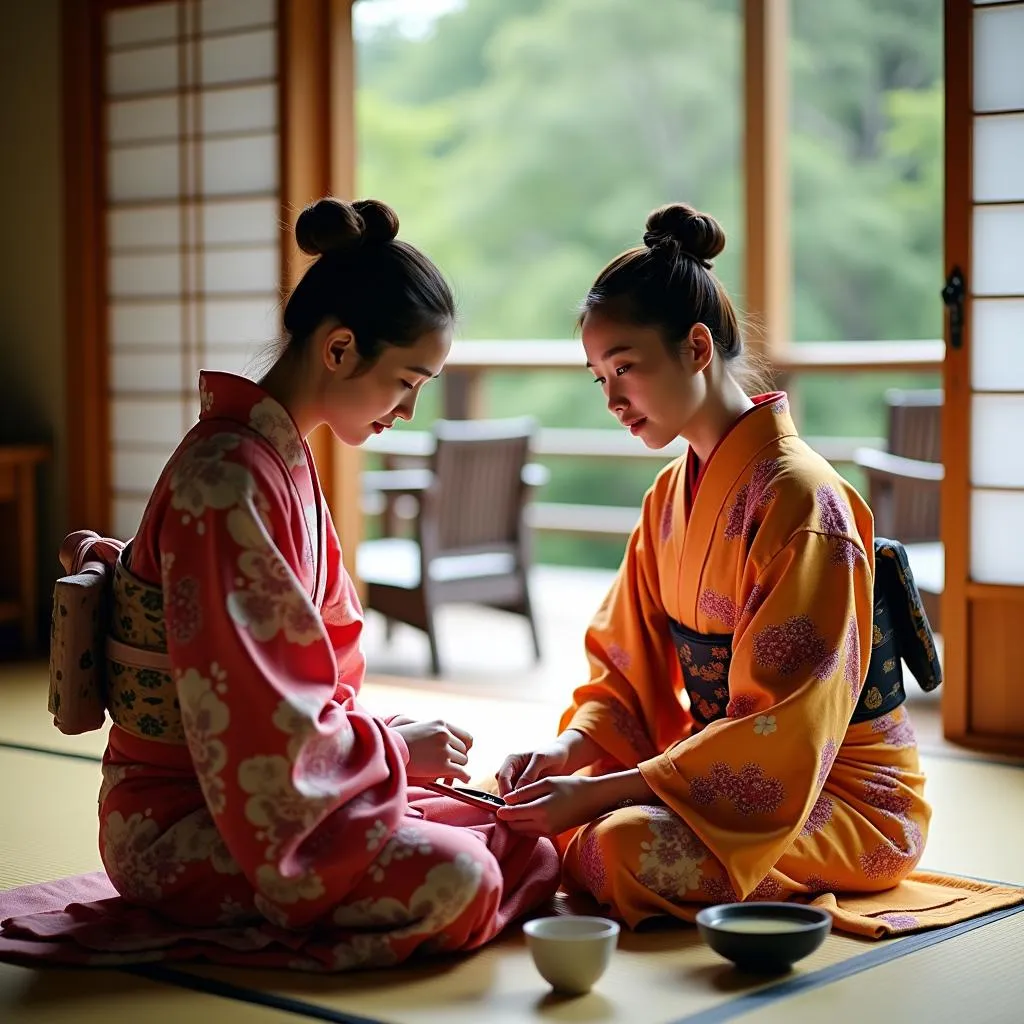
(100, 997)
(973, 979)
(48, 822)
(655, 977)
(48, 829)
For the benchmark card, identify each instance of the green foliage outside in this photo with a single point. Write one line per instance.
(523, 143)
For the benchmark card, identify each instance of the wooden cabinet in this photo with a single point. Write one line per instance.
(18, 538)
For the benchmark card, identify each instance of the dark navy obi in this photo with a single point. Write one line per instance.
(900, 633)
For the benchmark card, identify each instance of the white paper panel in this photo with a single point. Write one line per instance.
(147, 371)
(241, 322)
(241, 270)
(238, 58)
(222, 222)
(240, 165)
(252, 108)
(249, 220)
(150, 69)
(138, 120)
(137, 471)
(143, 172)
(132, 25)
(997, 430)
(999, 158)
(229, 360)
(151, 421)
(127, 516)
(997, 345)
(145, 323)
(997, 555)
(218, 15)
(997, 249)
(157, 275)
(998, 67)
(145, 227)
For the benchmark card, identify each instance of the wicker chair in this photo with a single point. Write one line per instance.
(904, 487)
(471, 543)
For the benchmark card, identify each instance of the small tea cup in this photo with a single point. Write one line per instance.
(571, 953)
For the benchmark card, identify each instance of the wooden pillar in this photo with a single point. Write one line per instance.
(88, 403)
(462, 394)
(767, 284)
(346, 463)
(318, 159)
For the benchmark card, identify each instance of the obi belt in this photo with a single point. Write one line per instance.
(900, 633)
(108, 646)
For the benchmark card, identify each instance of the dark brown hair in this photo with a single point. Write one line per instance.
(668, 283)
(381, 288)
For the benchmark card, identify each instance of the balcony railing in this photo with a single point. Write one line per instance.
(471, 361)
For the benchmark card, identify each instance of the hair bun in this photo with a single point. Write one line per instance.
(697, 234)
(331, 225)
(380, 222)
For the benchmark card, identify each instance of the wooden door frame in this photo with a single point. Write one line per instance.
(956, 426)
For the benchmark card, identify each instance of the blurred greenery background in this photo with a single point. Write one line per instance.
(523, 143)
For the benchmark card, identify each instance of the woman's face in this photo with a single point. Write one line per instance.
(358, 401)
(649, 390)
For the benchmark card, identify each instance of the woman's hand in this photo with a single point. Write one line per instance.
(553, 805)
(568, 754)
(556, 804)
(522, 769)
(436, 750)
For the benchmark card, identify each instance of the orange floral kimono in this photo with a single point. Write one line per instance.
(257, 789)
(727, 663)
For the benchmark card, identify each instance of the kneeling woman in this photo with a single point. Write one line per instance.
(243, 782)
(748, 583)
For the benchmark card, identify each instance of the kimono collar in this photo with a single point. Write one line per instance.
(768, 420)
(735, 458)
(226, 396)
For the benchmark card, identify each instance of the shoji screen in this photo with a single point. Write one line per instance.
(192, 158)
(997, 288)
(983, 439)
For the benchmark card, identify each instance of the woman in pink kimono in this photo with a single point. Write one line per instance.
(245, 783)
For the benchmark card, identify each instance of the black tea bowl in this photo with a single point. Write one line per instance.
(763, 938)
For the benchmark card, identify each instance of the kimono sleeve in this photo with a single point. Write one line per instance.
(629, 702)
(294, 779)
(747, 784)
(342, 615)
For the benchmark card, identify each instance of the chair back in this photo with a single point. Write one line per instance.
(915, 432)
(479, 494)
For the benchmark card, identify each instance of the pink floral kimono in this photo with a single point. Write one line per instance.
(272, 795)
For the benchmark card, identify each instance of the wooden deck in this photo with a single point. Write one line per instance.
(488, 652)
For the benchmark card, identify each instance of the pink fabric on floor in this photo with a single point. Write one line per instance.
(82, 921)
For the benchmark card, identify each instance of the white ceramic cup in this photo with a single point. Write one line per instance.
(571, 953)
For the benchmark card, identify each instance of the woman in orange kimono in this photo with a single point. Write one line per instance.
(246, 785)
(747, 584)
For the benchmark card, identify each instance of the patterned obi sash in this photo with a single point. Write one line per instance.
(141, 696)
(901, 632)
(108, 646)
